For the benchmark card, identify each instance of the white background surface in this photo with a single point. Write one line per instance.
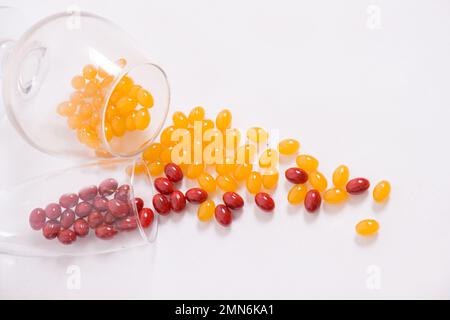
(374, 99)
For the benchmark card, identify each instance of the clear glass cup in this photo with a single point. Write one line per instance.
(108, 209)
(76, 85)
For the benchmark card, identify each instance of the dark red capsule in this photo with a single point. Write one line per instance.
(223, 215)
(37, 218)
(173, 172)
(177, 201)
(53, 211)
(68, 200)
(139, 204)
(51, 229)
(232, 200)
(123, 193)
(161, 204)
(126, 224)
(146, 217)
(264, 201)
(312, 200)
(108, 187)
(118, 208)
(100, 203)
(88, 193)
(109, 218)
(81, 227)
(83, 209)
(95, 219)
(67, 218)
(163, 185)
(357, 185)
(196, 195)
(67, 236)
(296, 175)
(105, 231)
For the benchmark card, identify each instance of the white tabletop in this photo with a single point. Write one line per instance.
(365, 84)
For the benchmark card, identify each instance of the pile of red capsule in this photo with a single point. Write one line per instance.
(169, 198)
(107, 209)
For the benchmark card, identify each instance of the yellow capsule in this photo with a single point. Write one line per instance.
(206, 210)
(122, 62)
(226, 183)
(134, 91)
(118, 126)
(85, 111)
(193, 170)
(180, 120)
(242, 171)
(89, 72)
(66, 109)
(269, 158)
(223, 120)
(155, 168)
(254, 182)
(102, 73)
(153, 152)
(381, 191)
(125, 84)
(367, 227)
(95, 119)
(227, 167)
(207, 124)
(288, 146)
(166, 154)
(91, 89)
(142, 119)
(307, 162)
(196, 114)
(74, 122)
(270, 178)
(126, 105)
(111, 112)
(340, 176)
(297, 194)
(166, 136)
(130, 121)
(246, 153)
(108, 131)
(76, 97)
(317, 181)
(207, 182)
(139, 169)
(145, 98)
(257, 135)
(78, 82)
(335, 196)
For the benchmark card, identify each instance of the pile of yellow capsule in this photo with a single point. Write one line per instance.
(237, 165)
(127, 109)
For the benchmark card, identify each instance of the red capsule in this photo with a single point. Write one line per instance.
(109, 218)
(88, 193)
(232, 200)
(105, 231)
(126, 224)
(83, 209)
(223, 215)
(312, 200)
(196, 195)
(37, 219)
(81, 227)
(264, 201)
(118, 208)
(101, 203)
(67, 218)
(296, 175)
(173, 172)
(51, 229)
(139, 204)
(123, 193)
(163, 185)
(146, 217)
(177, 201)
(66, 236)
(108, 187)
(53, 211)
(161, 204)
(68, 200)
(357, 185)
(95, 219)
